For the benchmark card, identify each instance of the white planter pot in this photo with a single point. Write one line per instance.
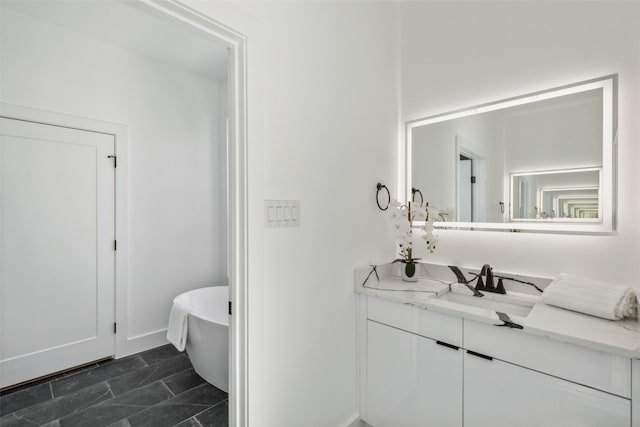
(409, 271)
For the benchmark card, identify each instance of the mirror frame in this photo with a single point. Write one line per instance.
(608, 177)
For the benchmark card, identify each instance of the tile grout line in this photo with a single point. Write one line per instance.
(15, 412)
(146, 365)
(141, 407)
(118, 375)
(205, 410)
(109, 394)
(143, 379)
(178, 373)
(25, 411)
(167, 387)
(113, 395)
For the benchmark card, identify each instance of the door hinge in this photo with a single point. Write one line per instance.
(230, 305)
(115, 160)
(473, 179)
(115, 327)
(115, 245)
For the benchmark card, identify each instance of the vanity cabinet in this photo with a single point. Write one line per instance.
(411, 379)
(498, 393)
(426, 368)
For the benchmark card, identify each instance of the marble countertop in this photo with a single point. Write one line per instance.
(618, 337)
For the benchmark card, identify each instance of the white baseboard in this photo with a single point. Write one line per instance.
(355, 422)
(142, 342)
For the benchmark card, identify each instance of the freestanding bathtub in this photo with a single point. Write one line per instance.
(208, 333)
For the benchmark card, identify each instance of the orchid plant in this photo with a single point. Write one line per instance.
(403, 217)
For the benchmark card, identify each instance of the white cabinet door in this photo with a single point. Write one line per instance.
(57, 232)
(499, 394)
(411, 380)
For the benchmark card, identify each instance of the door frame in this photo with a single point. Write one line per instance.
(236, 42)
(458, 192)
(466, 149)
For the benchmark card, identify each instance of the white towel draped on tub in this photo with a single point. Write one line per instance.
(587, 296)
(177, 330)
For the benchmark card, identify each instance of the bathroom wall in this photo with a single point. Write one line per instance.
(434, 161)
(176, 188)
(573, 133)
(459, 54)
(327, 85)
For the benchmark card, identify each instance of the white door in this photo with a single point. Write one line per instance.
(57, 253)
(498, 394)
(412, 381)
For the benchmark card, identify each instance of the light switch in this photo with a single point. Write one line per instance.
(281, 213)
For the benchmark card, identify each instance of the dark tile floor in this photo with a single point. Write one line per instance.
(155, 388)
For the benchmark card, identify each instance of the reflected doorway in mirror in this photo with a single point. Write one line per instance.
(568, 128)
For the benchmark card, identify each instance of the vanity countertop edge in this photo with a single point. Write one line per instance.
(621, 338)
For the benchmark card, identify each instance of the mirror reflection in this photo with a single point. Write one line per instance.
(568, 195)
(538, 158)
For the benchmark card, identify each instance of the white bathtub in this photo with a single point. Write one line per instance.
(208, 333)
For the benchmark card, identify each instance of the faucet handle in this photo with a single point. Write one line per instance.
(500, 288)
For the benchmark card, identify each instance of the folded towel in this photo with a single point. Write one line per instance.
(177, 330)
(587, 296)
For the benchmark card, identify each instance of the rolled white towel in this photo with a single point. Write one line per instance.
(177, 330)
(591, 297)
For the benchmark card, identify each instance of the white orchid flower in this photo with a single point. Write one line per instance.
(403, 227)
(399, 213)
(419, 214)
(404, 240)
(434, 214)
(396, 210)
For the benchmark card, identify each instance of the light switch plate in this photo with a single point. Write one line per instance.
(281, 213)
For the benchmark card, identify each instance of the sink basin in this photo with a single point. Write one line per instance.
(514, 304)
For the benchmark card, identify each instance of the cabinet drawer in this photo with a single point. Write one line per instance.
(417, 320)
(390, 313)
(600, 370)
(501, 394)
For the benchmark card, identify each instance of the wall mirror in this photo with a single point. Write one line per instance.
(543, 161)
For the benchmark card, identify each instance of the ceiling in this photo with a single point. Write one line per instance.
(126, 25)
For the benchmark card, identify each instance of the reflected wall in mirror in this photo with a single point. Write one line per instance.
(542, 161)
(569, 195)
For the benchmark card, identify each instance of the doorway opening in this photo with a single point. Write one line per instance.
(160, 188)
(466, 182)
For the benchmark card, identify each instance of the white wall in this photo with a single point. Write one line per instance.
(329, 112)
(460, 54)
(176, 160)
(433, 165)
(562, 137)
